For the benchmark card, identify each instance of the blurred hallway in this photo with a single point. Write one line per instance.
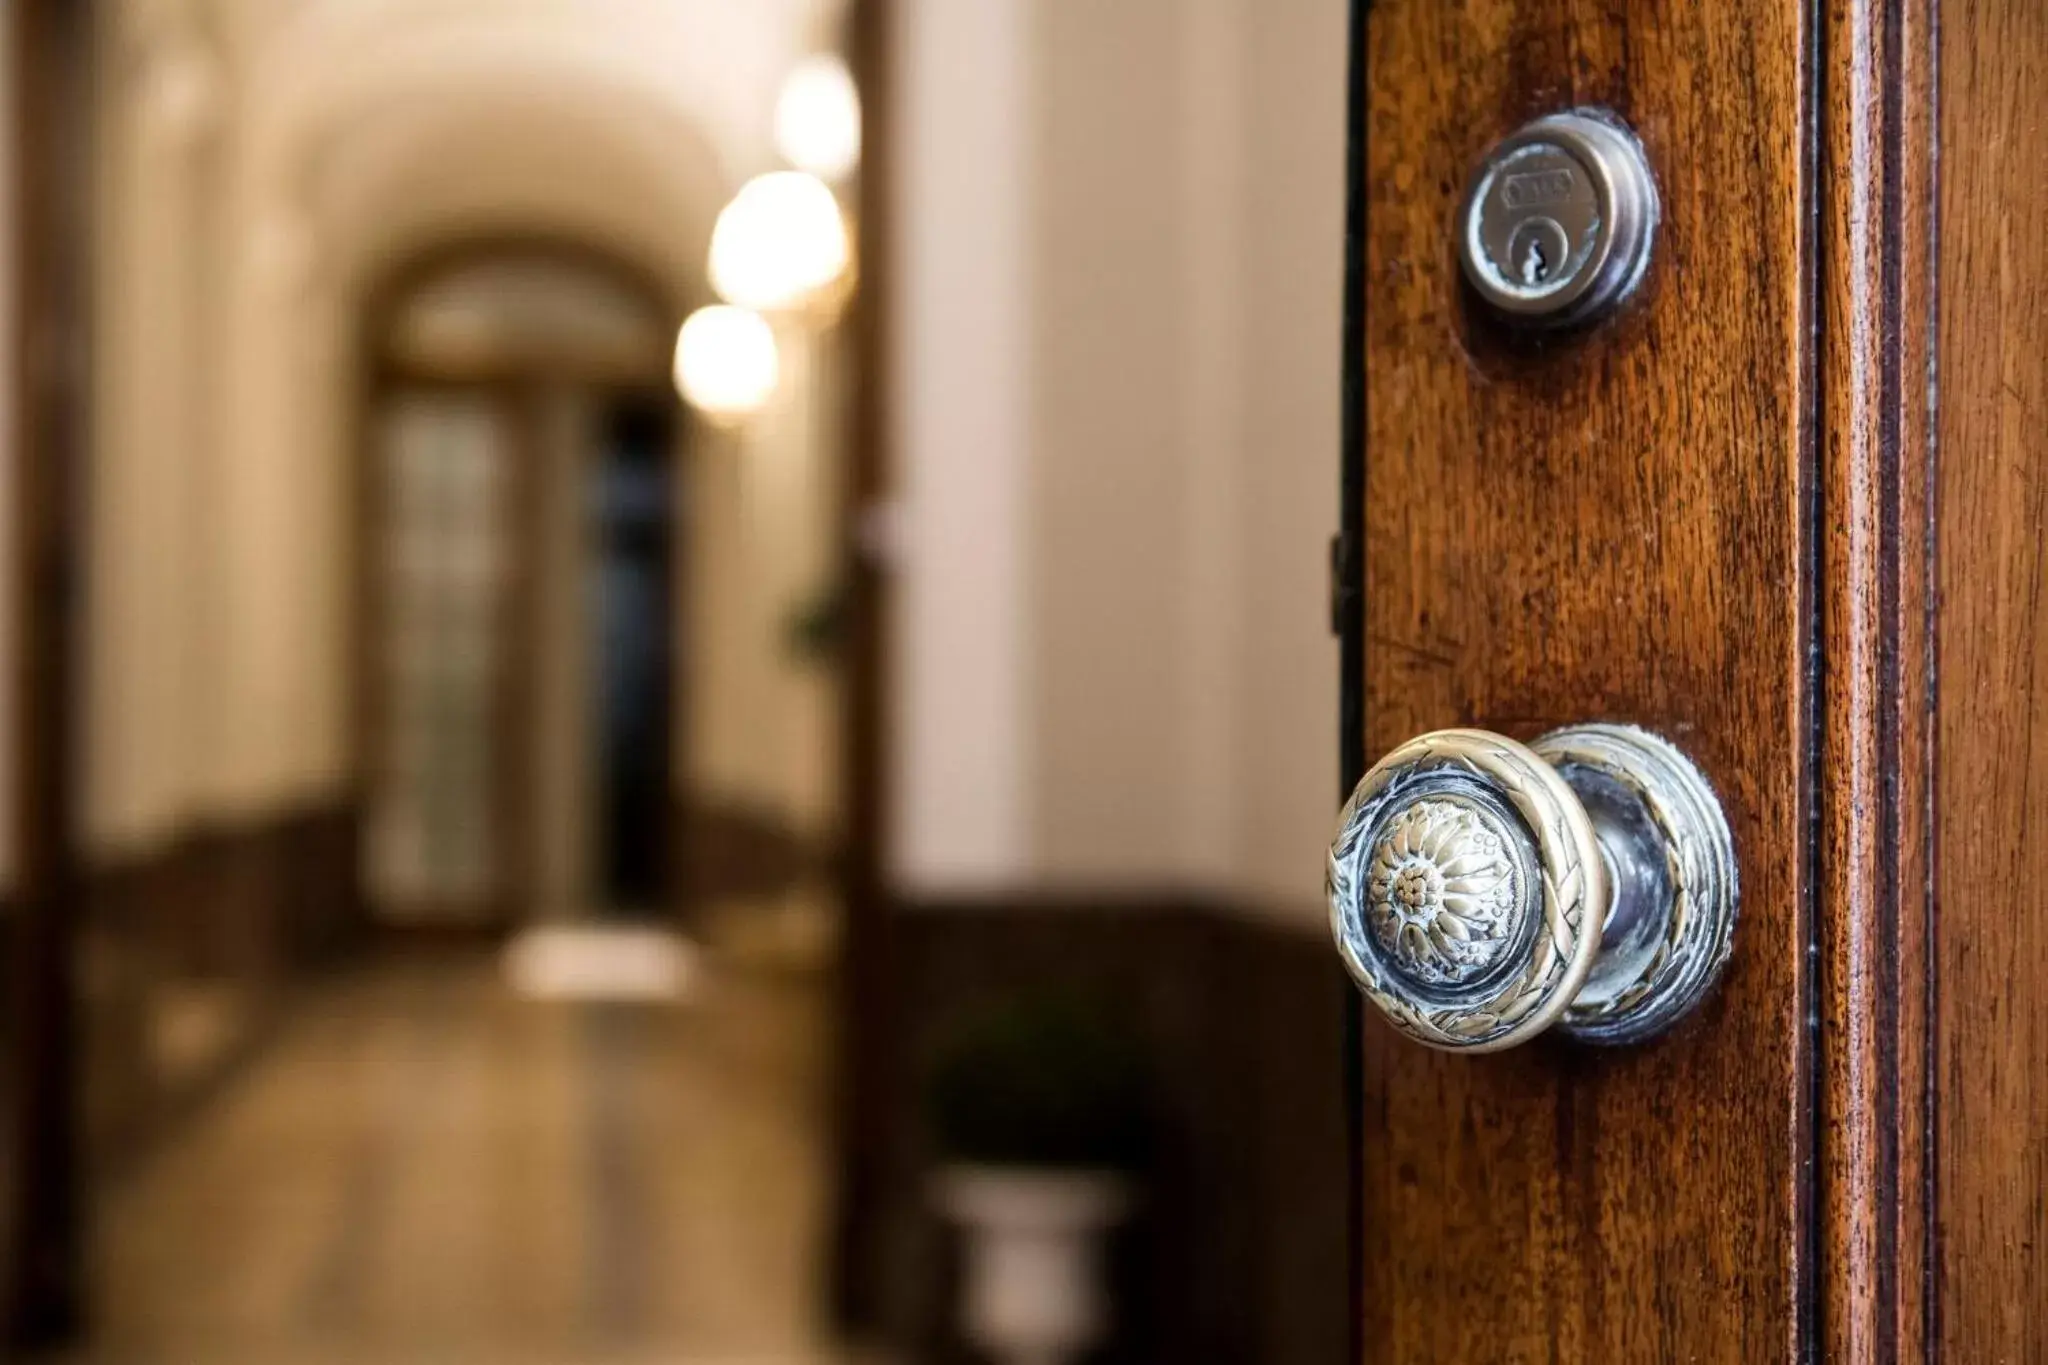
(487, 466)
(428, 1167)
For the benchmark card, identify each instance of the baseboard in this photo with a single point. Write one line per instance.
(727, 850)
(433, 938)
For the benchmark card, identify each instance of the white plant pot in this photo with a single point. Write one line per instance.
(1031, 1291)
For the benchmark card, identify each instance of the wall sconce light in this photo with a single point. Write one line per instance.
(781, 245)
(817, 118)
(726, 364)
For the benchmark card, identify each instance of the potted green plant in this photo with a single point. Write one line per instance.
(1041, 1117)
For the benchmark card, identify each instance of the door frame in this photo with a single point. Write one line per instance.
(50, 82)
(510, 390)
(869, 1031)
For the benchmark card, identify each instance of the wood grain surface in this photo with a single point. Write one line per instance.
(1612, 526)
(1790, 510)
(1874, 278)
(1991, 1131)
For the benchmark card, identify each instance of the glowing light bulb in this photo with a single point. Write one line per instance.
(817, 118)
(726, 362)
(781, 243)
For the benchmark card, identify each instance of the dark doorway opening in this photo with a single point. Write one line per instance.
(633, 615)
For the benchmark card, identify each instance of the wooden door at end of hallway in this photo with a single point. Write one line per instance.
(1787, 508)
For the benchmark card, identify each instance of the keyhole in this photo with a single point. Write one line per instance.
(1538, 250)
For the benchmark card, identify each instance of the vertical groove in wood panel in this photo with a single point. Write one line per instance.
(1807, 1257)
(1874, 234)
(1912, 571)
(1347, 609)
(1928, 746)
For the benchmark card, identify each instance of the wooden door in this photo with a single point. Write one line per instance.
(1788, 509)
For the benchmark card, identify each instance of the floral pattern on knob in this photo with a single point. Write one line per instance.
(1541, 946)
(1441, 892)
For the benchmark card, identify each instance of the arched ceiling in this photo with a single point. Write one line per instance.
(311, 65)
(602, 171)
(380, 128)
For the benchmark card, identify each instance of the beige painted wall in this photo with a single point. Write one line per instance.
(760, 528)
(1110, 482)
(1161, 276)
(154, 517)
(1291, 282)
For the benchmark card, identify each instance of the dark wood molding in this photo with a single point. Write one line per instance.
(866, 1010)
(1874, 287)
(436, 938)
(41, 1223)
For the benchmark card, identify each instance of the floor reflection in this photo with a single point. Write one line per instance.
(428, 1166)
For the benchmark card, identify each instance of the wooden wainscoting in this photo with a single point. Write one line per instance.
(237, 910)
(1240, 1253)
(727, 851)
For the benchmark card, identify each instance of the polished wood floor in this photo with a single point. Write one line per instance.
(428, 1168)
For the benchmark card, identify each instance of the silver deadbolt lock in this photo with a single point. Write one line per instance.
(1558, 219)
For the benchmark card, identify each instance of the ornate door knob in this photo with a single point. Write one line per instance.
(1482, 890)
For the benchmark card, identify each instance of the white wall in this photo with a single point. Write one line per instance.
(1117, 423)
(9, 473)
(1291, 283)
(964, 269)
(1110, 480)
